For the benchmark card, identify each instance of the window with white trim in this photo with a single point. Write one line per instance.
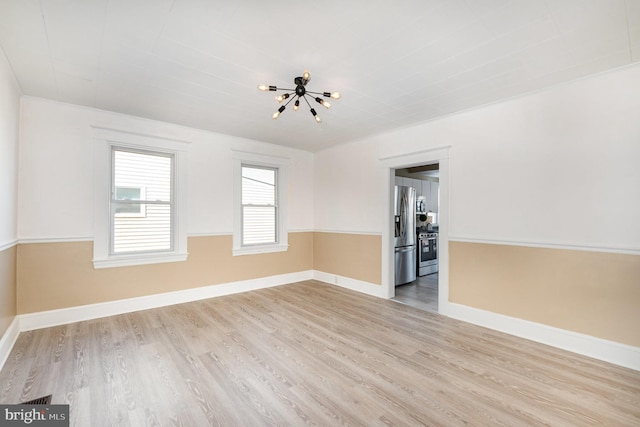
(140, 199)
(259, 201)
(259, 205)
(140, 221)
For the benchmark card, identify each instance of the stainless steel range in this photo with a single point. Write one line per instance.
(427, 253)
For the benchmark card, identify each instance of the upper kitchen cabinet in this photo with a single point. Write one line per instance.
(426, 193)
(402, 181)
(426, 189)
(415, 183)
(432, 203)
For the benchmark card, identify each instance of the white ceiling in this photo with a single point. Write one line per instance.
(397, 63)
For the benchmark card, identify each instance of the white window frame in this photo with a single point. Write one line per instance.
(241, 158)
(104, 141)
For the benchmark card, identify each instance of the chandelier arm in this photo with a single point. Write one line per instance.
(288, 90)
(305, 99)
(287, 95)
(289, 101)
(318, 93)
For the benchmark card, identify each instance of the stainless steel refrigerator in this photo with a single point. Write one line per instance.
(405, 234)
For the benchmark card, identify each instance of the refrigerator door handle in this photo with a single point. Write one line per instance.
(403, 210)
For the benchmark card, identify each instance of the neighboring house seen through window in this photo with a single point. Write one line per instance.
(130, 192)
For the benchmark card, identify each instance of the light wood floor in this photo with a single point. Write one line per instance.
(310, 353)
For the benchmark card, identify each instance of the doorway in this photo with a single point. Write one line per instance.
(421, 289)
(440, 156)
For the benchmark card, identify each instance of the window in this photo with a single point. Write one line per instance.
(141, 221)
(140, 199)
(259, 205)
(259, 198)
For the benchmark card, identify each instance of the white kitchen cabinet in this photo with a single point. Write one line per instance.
(433, 203)
(412, 183)
(417, 184)
(426, 193)
(409, 182)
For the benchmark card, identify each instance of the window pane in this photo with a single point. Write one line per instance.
(153, 172)
(258, 186)
(143, 234)
(258, 225)
(141, 227)
(259, 212)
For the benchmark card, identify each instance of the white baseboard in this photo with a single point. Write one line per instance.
(8, 339)
(46, 319)
(586, 345)
(349, 283)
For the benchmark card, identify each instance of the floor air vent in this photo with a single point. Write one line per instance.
(44, 400)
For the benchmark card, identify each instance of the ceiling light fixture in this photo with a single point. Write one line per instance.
(300, 92)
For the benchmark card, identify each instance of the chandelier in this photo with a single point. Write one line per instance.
(300, 92)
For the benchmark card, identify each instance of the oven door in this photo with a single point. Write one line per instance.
(428, 250)
(428, 255)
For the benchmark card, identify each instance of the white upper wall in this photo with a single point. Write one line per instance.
(9, 134)
(349, 187)
(56, 172)
(555, 167)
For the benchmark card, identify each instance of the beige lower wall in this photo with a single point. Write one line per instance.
(592, 293)
(59, 275)
(357, 256)
(8, 308)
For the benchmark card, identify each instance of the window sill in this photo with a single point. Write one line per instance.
(129, 260)
(261, 249)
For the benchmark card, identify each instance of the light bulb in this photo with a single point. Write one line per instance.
(306, 75)
(315, 116)
(322, 102)
(263, 88)
(336, 95)
(296, 105)
(279, 98)
(277, 113)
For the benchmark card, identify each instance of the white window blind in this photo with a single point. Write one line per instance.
(141, 201)
(259, 205)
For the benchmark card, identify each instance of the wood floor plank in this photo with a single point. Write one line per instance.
(310, 354)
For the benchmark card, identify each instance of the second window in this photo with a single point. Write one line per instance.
(259, 205)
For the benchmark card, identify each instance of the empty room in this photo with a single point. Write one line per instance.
(359, 213)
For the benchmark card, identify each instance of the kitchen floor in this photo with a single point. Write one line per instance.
(421, 293)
